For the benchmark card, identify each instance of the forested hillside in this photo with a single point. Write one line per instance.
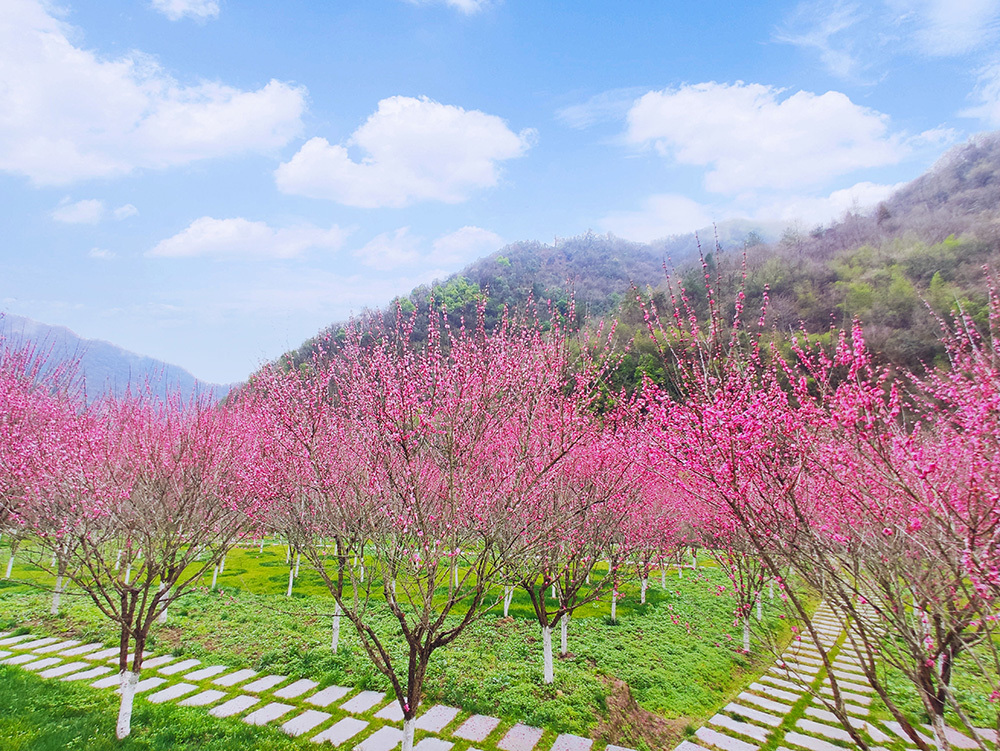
(923, 250)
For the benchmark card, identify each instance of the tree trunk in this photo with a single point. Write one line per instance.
(564, 628)
(771, 587)
(57, 595)
(128, 572)
(298, 561)
(614, 605)
(508, 598)
(261, 545)
(663, 578)
(409, 726)
(215, 575)
(291, 580)
(335, 638)
(642, 590)
(10, 566)
(222, 564)
(129, 680)
(118, 560)
(746, 634)
(760, 608)
(547, 653)
(163, 615)
(940, 738)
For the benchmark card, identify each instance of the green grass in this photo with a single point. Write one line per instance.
(678, 653)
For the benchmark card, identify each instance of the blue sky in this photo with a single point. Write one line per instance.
(212, 181)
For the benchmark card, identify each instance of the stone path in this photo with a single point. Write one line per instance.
(338, 715)
(759, 715)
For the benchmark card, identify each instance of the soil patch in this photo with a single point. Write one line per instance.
(628, 724)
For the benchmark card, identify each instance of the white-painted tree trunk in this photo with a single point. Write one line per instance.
(553, 590)
(291, 580)
(163, 615)
(298, 562)
(53, 560)
(288, 554)
(335, 637)
(760, 607)
(409, 726)
(588, 577)
(215, 575)
(118, 560)
(454, 576)
(10, 566)
(129, 681)
(614, 605)
(508, 598)
(940, 738)
(563, 635)
(362, 573)
(547, 654)
(771, 587)
(694, 560)
(128, 572)
(663, 578)
(642, 590)
(746, 634)
(57, 595)
(680, 571)
(261, 545)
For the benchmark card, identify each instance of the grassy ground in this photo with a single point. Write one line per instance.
(676, 655)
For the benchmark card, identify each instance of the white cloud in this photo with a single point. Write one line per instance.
(468, 7)
(753, 137)
(464, 246)
(661, 215)
(124, 212)
(68, 114)
(175, 10)
(416, 150)
(390, 250)
(830, 30)
(944, 28)
(102, 254)
(987, 96)
(607, 106)
(87, 211)
(242, 238)
(824, 209)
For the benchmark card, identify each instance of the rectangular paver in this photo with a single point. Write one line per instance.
(689, 746)
(179, 667)
(205, 697)
(391, 712)
(341, 732)
(112, 681)
(59, 645)
(328, 696)
(435, 718)
(203, 673)
(233, 678)
(11, 640)
(303, 723)
(37, 643)
(837, 732)
(82, 650)
(773, 681)
(67, 667)
(433, 744)
(295, 689)
(157, 661)
(383, 739)
(813, 744)
(234, 706)
(42, 664)
(266, 683)
(477, 728)
(715, 738)
(568, 742)
(743, 728)
(760, 701)
(104, 654)
(19, 659)
(777, 693)
(848, 696)
(521, 737)
(268, 712)
(363, 702)
(754, 714)
(172, 692)
(87, 674)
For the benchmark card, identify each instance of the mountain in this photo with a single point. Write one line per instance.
(104, 367)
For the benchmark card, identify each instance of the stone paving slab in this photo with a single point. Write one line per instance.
(720, 740)
(341, 732)
(67, 667)
(296, 689)
(771, 680)
(363, 702)
(956, 738)
(855, 687)
(109, 682)
(305, 722)
(521, 737)
(807, 741)
(60, 645)
(622, 748)
(837, 733)
(42, 664)
(435, 718)
(569, 742)
(203, 673)
(87, 674)
(383, 739)
(743, 728)
(831, 719)
(147, 684)
(848, 707)
(433, 744)
(776, 693)
(18, 659)
(233, 678)
(898, 730)
(104, 654)
(5, 653)
(157, 661)
(477, 728)
(689, 746)
(265, 683)
(391, 712)
(205, 697)
(765, 703)
(82, 650)
(327, 696)
(173, 692)
(754, 714)
(179, 667)
(233, 706)
(268, 712)
(11, 640)
(848, 696)
(37, 643)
